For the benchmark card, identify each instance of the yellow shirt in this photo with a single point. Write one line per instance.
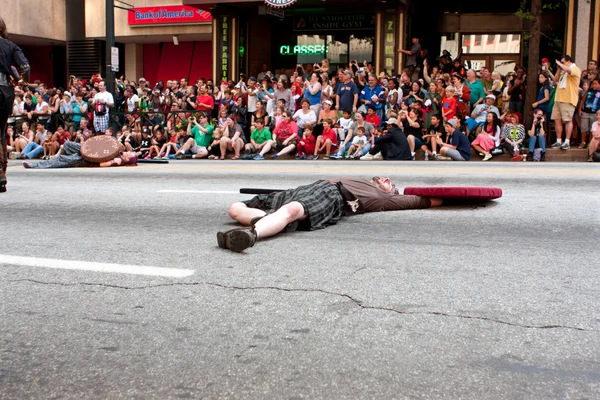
(568, 93)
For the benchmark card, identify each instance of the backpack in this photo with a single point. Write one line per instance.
(551, 102)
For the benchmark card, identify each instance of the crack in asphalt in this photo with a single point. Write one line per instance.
(356, 301)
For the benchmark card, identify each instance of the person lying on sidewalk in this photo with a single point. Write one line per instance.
(312, 207)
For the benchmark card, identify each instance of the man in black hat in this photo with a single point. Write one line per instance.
(392, 145)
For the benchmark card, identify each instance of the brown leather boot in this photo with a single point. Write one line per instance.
(3, 165)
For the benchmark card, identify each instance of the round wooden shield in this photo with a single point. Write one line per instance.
(100, 149)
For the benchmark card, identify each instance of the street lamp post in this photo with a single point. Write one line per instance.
(109, 77)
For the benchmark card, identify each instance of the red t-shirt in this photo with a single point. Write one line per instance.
(204, 100)
(63, 138)
(284, 130)
(374, 120)
(331, 135)
(449, 104)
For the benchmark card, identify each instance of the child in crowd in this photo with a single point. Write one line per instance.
(496, 84)
(172, 144)
(227, 99)
(372, 116)
(222, 117)
(358, 143)
(344, 124)
(449, 103)
(327, 141)
(296, 96)
(215, 146)
(157, 142)
(145, 144)
(278, 114)
(306, 145)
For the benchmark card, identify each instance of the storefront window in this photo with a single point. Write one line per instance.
(361, 49)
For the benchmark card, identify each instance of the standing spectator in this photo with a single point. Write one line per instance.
(517, 92)
(543, 97)
(312, 92)
(102, 103)
(282, 92)
(413, 54)
(373, 96)
(486, 80)
(565, 100)
(477, 90)
(592, 68)
(449, 103)
(346, 93)
(132, 100)
(204, 101)
(588, 108)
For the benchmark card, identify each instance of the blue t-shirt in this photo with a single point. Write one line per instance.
(462, 144)
(313, 98)
(346, 91)
(543, 106)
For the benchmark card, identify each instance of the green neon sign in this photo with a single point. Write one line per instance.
(304, 49)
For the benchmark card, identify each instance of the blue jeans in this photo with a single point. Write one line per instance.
(541, 142)
(344, 149)
(32, 150)
(381, 113)
(365, 149)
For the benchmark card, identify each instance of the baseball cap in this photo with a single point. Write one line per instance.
(491, 96)
(392, 121)
(142, 80)
(452, 122)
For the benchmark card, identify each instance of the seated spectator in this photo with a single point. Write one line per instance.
(304, 115)
(35, 147)
(412, 125)
(458, 147)
(327, 141)
(21, 140)
(285, 135)
(261, 139)
(537, 136)
(430, 146)
(595, 137)
(513, 134)
(232, 138)
(157, 142)
(344, 124)
(479, 114)
(171, 145)
(306, 145)
(392, 145)
(489, 138)
(359, 142)
(201, 136)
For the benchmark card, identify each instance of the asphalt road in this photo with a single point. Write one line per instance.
(494, 302)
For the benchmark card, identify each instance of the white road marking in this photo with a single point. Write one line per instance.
(96, 267)
(201, 191)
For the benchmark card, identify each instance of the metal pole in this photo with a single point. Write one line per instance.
(109, 76)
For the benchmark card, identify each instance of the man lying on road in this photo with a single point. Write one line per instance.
(312, 207)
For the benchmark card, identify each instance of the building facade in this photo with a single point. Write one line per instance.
(171, 39)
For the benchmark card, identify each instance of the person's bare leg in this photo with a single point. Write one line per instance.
(435, 202)
(328, 147)
(237, 146)
(266, 148)
(558, 128)
(244, 214)
(426, 150)
(188, 144)
(223, 145)
(411, 143)
(274, 223)
(287, 149)
(318, 144)
(569, 130)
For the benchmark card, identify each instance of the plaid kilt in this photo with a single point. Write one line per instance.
(321, 200)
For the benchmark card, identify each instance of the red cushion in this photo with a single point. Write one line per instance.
(455, 192)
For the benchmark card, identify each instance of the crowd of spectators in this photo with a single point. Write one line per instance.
(441, 108)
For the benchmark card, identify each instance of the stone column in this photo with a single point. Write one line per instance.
(134, 61)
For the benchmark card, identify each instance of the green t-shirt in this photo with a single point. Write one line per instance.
(477, 91)
(203, 139)
(261, 136)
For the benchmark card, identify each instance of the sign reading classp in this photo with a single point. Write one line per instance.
(163, 15)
